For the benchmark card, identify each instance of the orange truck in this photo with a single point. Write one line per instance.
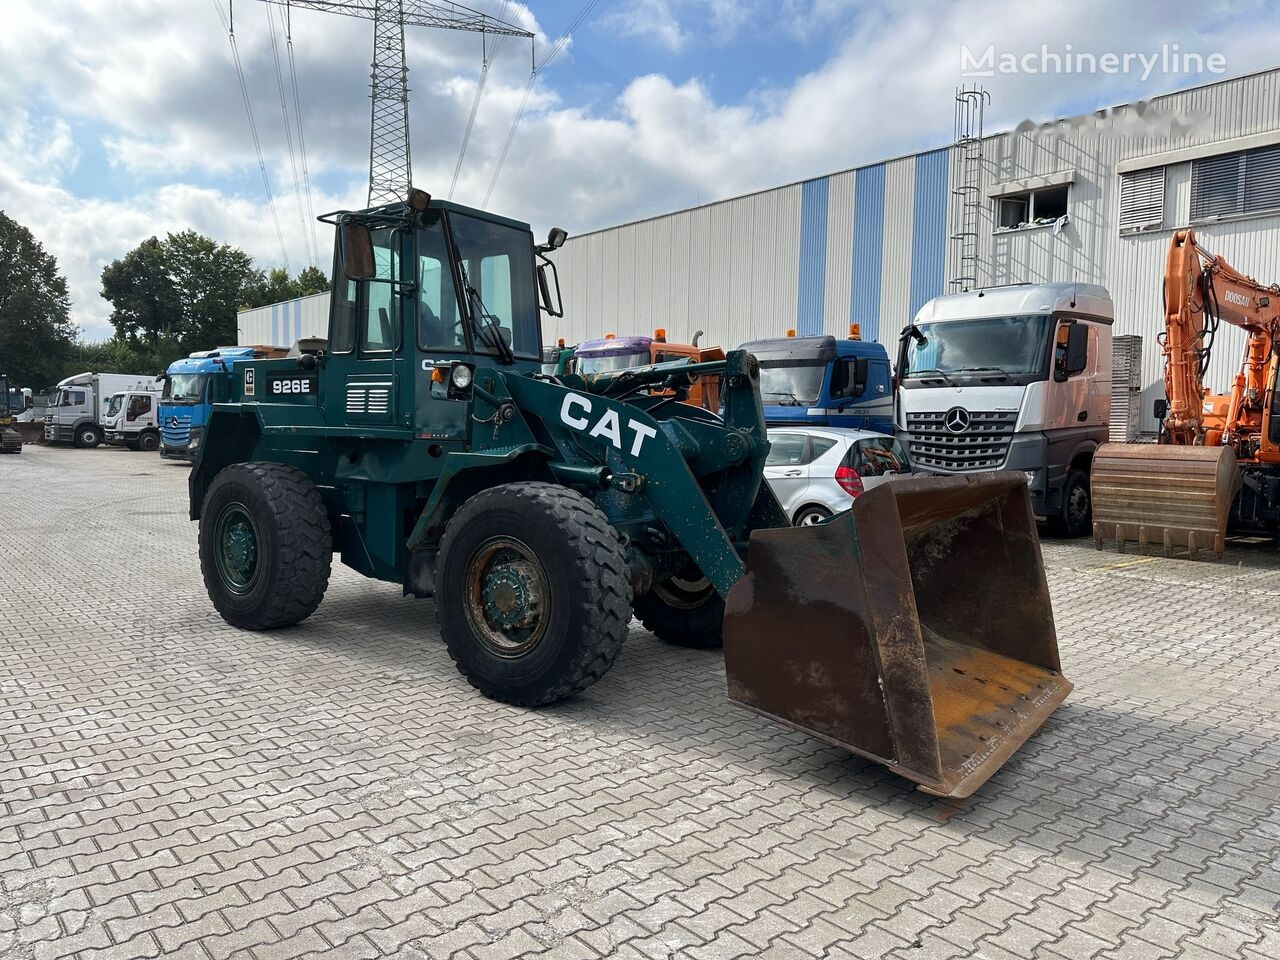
(612, 352)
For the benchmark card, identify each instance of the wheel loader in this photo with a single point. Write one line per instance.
(10, 439)
(425, 447)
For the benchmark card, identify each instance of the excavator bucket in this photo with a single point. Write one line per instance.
(1169, 494)
(913, 629)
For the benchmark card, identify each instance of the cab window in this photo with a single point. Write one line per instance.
(380, 316)
(439, 325)
(496, 264)
(342, 307)
(139, 405)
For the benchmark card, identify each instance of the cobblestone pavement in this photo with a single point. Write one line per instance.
(171, 786)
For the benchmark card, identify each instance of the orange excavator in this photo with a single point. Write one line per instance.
(1217, 462)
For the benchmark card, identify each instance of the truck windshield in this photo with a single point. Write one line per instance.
(791, 382)
(614, 361)
(114, 404)
(1014, 346)
(497, 270)
(185, 387)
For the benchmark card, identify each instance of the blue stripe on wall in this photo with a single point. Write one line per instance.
(929, 228)
(297, 321)
(868, 249)
(813, 257)
(275, 324)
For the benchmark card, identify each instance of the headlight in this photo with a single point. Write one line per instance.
(460, 376)
(1031, 477)
(195, 442)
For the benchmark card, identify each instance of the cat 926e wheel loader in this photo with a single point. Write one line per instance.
(426, 448)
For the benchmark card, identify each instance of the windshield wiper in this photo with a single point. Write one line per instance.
(1000, 370)
(795, 401)
(931, 373)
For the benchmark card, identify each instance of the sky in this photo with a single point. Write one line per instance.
(122, 120)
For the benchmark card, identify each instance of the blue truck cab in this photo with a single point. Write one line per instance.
(824, 382)
(191, 387)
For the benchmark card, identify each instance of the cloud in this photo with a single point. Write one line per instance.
(155, 82)
(651, 20)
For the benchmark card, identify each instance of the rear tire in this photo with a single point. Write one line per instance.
(1076, 517)
(265, 545)
(807, 516)
(534, 596)
(683, 613)
(88, 437)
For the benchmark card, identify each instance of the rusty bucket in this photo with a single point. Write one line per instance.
(1171, 495)
(914, 629)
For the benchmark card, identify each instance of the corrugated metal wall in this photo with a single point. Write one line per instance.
(283, 324)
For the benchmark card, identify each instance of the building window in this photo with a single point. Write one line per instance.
(1032, 208)
(1236, 183)
(1142, 200)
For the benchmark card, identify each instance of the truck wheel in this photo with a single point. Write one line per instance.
(534, 597)
(149, 441)
(88, 437)
(1076, 518)
(265, 545)
(686, 613)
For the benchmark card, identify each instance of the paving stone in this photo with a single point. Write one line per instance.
(336, 790)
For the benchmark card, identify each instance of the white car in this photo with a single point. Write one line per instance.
(815, 472)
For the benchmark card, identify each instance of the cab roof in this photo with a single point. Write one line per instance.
(1088, 300)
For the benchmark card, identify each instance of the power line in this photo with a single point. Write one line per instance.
(253, 129)
(288, 135)
(546, 60)
(302, 140)
(486, 62)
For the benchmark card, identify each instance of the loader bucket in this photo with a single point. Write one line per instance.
(913, 629)
(1169, 494)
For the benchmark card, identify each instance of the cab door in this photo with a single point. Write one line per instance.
(366, 328)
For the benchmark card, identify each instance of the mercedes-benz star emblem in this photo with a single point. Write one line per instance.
(957, 420)
(173, 422)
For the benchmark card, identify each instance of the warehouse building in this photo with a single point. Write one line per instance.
(1090, 199)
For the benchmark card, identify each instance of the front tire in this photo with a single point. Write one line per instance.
(683, 613)
(534, 596)
(1076, 517)
(265, 545)
(88, 437)
(148, 442)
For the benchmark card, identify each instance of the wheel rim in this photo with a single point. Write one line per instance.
(507, 597)
(684, 594)
(810, 518)
(88, 437)
(235, 549)
(1077, 505)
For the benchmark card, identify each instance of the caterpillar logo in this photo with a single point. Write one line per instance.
(1239, 299)
(575, 413)
(248, 381)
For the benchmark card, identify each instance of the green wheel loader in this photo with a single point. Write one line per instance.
(424, 446)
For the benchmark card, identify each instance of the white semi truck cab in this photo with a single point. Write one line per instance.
(78, 412)
(131, 419)
(1011, 378)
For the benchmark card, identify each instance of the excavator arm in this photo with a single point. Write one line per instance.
(1179, 492)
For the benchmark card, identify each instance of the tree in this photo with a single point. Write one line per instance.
(278, 286)
(211, 280)
(142, 294)
(37, 336)
(312, 280)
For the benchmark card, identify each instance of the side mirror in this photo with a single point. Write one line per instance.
(356, 248)
(544, 288)
(1077, 349)
(861, 373)
(1160, 409)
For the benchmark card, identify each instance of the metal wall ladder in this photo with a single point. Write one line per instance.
(966, 212)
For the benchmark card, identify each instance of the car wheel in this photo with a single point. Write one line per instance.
(810, 515)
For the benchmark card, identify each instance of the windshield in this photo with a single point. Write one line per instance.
(1014, 346)
(791, 382)
(614, 361)
(113, 405)
(185, 387)
(496, 264)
